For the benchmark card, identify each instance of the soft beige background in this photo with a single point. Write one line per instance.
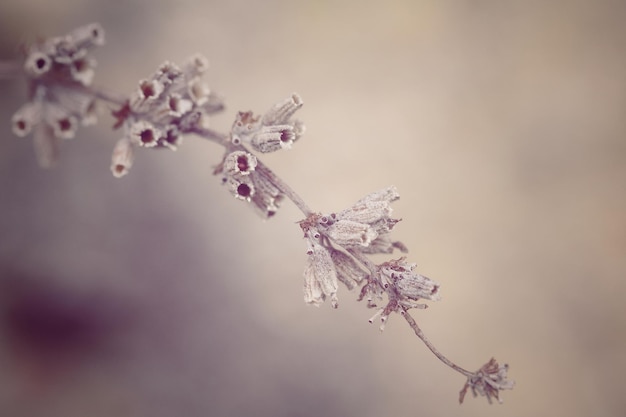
(501, 123)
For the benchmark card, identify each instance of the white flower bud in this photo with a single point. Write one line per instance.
(122, 158)
(196, 65)
(25, 118)
(198, 91)
(87, 36)
(281, 112)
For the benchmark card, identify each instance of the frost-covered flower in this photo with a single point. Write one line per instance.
(408, 286)
(488, 381)
(320, 276)
(365, 225)
(170, 103)
(122, 158)
(272, 131)
(58, 69)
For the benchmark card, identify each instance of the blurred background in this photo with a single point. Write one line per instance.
(503, 126)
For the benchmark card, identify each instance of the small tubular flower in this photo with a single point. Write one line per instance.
(240, 162)
(37, 63)
(144, 133)
(320, 276)
(58, 69)
(122, 158)
(240, 186)
(271, 132)
(488, 381)
(348, 271)
(25, 118)
(409, 286)
(365, 225)
(64, 125)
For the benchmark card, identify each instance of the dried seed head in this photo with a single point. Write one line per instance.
(410, 286)
(488, 381)
(361, 225)
(122, 158)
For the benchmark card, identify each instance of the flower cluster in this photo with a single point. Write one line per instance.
(246, 182)
(273, 131)
(338, 246)
(58, 69)
(488, 381)
(173, 101)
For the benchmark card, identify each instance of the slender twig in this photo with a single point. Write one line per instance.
(284, 188)
(409, 319)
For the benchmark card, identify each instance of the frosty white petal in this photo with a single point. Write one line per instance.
(349, 233)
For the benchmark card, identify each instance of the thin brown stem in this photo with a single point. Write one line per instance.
(284, 188)
(210, 134)
(432, 347)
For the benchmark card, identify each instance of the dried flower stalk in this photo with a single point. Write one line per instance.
(175, 101)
